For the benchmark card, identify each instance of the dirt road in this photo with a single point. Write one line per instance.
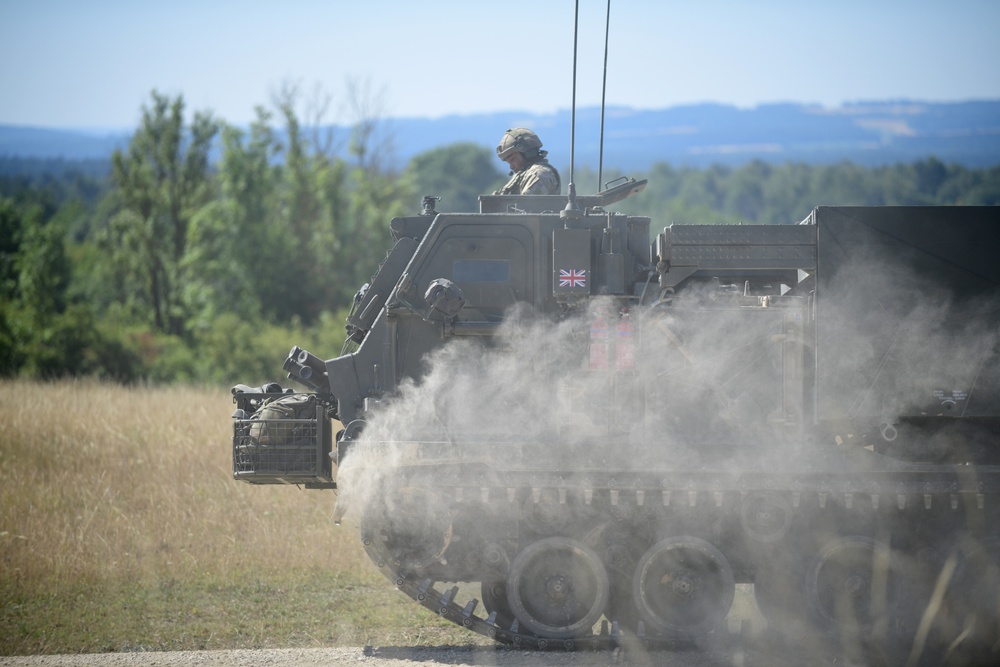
(412, 657)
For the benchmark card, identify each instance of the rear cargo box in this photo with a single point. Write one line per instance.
(282, 446)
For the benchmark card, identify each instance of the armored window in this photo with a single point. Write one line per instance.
(480, 270)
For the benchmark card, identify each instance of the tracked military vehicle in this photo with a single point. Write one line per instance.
(602, 437)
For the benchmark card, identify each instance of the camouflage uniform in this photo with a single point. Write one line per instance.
(540, 178)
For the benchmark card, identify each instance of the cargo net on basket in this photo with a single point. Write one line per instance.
(285, 440)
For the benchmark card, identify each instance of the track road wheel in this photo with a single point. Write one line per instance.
(766, 517)
(557, 588)
(977, 590)
(683, 586)
(494, 594)
(854, 585)
(411, 526)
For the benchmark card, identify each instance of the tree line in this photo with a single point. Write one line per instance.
(205, 250)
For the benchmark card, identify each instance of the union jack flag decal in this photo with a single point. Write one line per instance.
(573, 278)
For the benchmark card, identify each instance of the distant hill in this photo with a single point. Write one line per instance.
(65, 144)
(868, 133)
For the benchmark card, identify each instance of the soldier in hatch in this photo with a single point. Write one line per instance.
(531, 172)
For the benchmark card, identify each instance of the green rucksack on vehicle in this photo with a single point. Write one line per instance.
(271, 427)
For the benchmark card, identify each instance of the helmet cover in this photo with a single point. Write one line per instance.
(519, 140)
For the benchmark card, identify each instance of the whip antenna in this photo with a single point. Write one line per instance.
(572, 210)
(604, 90)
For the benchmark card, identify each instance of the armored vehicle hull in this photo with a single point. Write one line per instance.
(603, 438)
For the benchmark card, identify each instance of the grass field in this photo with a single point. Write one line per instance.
(121, 528)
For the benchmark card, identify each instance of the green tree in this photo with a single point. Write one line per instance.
(295, 229)
(458, 174)
(10, 244)
(745, 191)
(43, 273)
(43, 332)
(982, 191)
(161, 180)
(237, 250)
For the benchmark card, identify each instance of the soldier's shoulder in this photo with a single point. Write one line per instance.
(543, 167)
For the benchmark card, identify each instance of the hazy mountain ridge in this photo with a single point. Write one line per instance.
(867, 133)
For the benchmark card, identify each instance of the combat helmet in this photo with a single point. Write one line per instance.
(520, 140)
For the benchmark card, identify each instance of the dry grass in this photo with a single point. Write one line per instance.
(121, 528)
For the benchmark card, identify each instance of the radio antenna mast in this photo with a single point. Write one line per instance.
(572, 210)
(604, 90)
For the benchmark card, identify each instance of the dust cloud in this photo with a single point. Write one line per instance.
(711, 378)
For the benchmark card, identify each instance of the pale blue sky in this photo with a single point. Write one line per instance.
(93, 63)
